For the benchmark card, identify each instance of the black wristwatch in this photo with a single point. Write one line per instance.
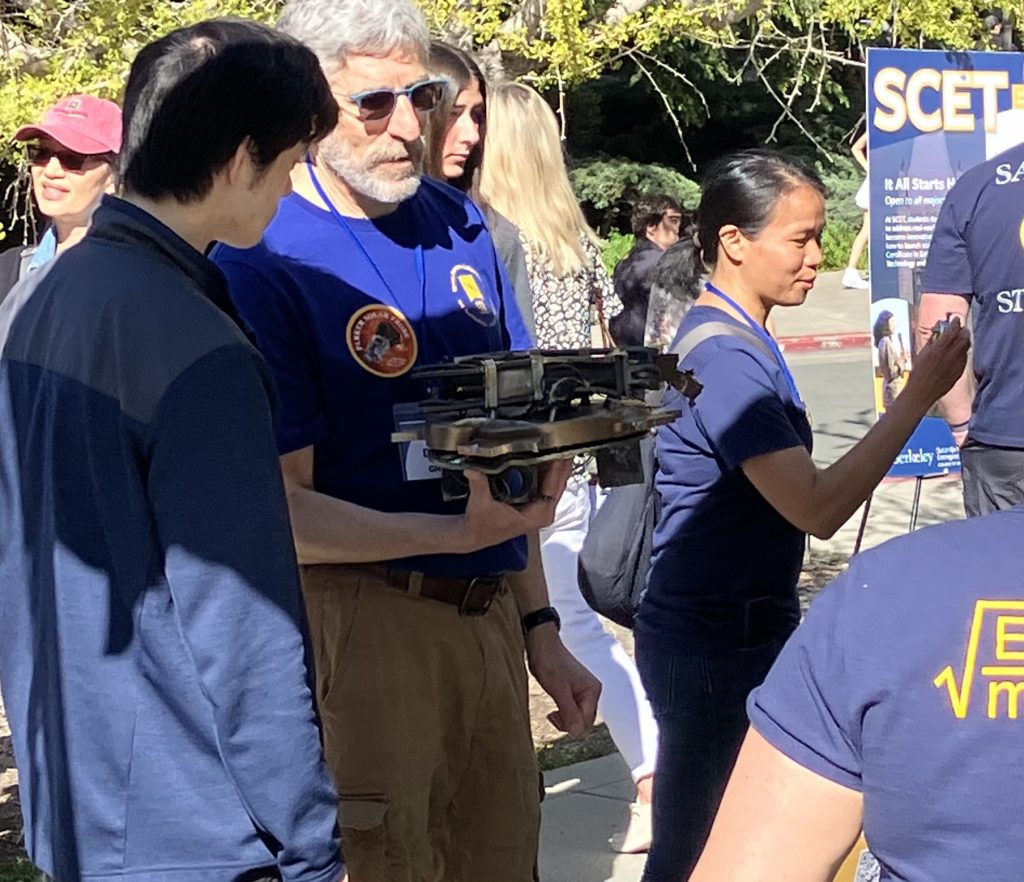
(540, 617)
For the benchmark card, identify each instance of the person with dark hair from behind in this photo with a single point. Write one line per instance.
(740, 490)
(153, 649)
(454, 134)
(655, 222)
(675, 285)
(71, 155)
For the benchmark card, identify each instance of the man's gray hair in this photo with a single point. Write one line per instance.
(336, 29)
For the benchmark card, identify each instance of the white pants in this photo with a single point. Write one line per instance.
(623, 703)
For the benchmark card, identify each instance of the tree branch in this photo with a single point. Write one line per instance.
(668, 107)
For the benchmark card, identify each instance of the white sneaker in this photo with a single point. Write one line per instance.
(852, 279)
(637, 838)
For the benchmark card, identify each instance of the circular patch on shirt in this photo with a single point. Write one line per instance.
(382, 340)
(1021, 233)
(468, 288)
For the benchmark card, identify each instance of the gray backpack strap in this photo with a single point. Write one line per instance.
(718, 329)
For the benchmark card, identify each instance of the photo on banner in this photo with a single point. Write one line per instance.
(931, 115)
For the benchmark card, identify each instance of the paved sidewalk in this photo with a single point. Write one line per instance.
(585, 804)
(589, 802)
(832, 317)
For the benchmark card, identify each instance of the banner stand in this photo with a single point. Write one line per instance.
(915, 510)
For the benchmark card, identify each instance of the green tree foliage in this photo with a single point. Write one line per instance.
(694, 58)
(51, 48)
(616, 246)
(609, 187)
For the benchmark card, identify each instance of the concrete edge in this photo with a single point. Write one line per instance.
(825, 342)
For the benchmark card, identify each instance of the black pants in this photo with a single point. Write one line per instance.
(699, 700)
(993, 478)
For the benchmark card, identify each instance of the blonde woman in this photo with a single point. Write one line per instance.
(523, 176)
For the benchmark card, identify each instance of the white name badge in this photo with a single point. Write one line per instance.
(418, 466)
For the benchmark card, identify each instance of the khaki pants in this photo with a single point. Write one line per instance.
(426, 731)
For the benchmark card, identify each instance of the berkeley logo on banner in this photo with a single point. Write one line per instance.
(932, 115)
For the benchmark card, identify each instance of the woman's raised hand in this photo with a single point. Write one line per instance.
(939, 365)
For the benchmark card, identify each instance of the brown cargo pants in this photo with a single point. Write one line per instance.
(426, 730)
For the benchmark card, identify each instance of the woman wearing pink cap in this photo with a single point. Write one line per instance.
(71, 154)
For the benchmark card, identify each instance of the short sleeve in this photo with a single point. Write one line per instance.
(807, 707)
(517, 323)
(948, 269)
(519, 336)
(739, 409)
(286, 339)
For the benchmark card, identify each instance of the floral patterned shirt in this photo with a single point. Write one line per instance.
(564, 308)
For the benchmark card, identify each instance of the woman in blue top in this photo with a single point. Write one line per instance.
(740, 490)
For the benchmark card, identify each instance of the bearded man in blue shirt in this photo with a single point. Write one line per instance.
(418, 606)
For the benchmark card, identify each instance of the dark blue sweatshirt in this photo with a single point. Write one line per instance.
(153, 649)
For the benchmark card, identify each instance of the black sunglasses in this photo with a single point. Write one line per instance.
(38, 154)
(378, 104)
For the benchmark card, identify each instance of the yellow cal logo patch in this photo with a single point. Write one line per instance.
(995, 656)
(467, 286)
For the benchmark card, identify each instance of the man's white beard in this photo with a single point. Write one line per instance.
(365, 176)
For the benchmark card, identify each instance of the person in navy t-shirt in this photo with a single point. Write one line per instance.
(418, 606)
(976, 263)
(896, 705)
(740, 490)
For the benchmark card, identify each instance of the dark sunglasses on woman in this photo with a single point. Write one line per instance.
(378, 104)
(39, 154)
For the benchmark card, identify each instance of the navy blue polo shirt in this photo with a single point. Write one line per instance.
(718, 541)
(977, 250)
(344, 309)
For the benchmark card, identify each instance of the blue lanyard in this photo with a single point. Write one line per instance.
(768, 339)
(421, 272)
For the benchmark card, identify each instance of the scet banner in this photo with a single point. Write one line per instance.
(931, 116)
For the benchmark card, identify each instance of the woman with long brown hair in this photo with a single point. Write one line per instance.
(454, 135)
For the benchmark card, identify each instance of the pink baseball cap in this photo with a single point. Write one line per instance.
(81, 123)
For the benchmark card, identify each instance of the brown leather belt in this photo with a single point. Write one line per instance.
(472, 597)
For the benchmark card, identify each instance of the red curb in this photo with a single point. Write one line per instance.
(825, 342)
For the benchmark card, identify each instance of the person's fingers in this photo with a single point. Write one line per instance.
(555, 718)
(568, 710)
(477, 481)
(539, 513)
(555, 477)
(588, 703)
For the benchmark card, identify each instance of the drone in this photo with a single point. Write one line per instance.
(506, 414)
